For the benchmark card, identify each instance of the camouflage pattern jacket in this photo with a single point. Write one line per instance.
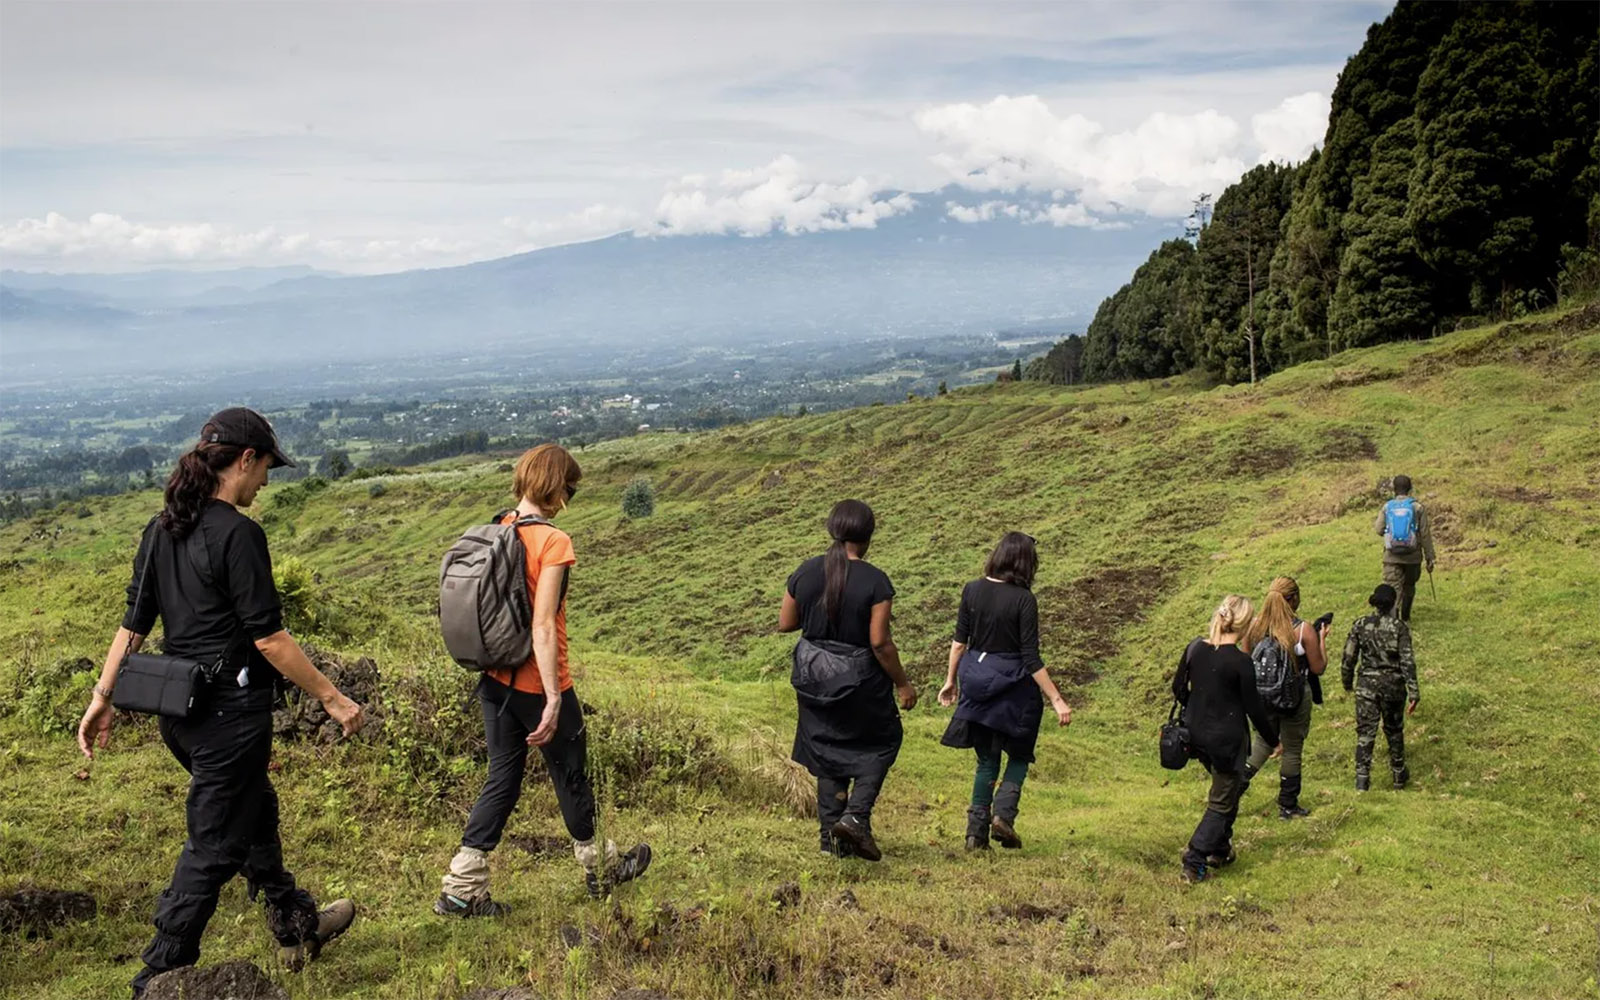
(1381, 645)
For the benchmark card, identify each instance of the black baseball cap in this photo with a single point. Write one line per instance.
(244, 427)
(1383, 595)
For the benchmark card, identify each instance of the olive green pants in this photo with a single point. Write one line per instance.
(1293, 728)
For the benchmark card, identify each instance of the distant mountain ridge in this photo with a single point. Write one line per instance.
(918, 273)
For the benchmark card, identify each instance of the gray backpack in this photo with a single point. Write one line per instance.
(483, 596)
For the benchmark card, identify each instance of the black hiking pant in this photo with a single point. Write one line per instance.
(565, 757)
(856, 796)
(232, 814)
(1213, 836)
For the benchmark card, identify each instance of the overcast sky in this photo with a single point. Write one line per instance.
(381, 136)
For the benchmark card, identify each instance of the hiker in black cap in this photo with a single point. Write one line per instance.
(203, 567)
(847, 677)
(1385, 686)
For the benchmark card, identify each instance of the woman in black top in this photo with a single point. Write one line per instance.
(203, 568)
(1217, 685)
(995, 654)
(846, 677)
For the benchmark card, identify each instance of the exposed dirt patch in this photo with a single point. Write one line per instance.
(1345, 444)
(36, 911)
(1520, 494)
(227, 981)
(1028, 913)
(1349, 377)
(542, 847)
(639, 994)
(509, 993)
(1088, 615)
(787, 895)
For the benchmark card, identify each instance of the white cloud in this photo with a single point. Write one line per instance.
(1289, 132)
(599, 219)
(986, 212)
(1156, 167)
(1056, 214)
(778, 197)
(110, 240)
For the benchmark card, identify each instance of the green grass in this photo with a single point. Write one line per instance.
(1149, 500)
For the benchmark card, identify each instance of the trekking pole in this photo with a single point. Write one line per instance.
(1432, 591)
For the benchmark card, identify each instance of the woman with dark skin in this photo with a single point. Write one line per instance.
(203, 568)
(847, 678)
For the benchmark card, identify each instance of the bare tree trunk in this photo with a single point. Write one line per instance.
(1250, 324)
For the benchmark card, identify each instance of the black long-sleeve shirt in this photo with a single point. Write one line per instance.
(212, 588)
(1218, 686)
(1000, 618)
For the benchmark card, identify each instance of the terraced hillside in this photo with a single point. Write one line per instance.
(1149, 501)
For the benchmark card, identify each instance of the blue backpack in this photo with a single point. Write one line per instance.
(1400, 525)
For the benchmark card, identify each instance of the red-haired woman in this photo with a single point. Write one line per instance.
(535, 706)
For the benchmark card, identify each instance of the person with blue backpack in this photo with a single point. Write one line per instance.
(1407, 544)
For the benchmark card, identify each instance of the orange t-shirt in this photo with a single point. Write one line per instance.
(546, 546)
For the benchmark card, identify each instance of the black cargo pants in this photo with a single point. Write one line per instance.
(508, 717)
(232, 816)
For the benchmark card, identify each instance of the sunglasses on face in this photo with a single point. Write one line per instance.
(572, 491)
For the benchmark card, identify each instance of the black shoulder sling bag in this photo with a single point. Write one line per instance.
(157, 684)
(1176, 748)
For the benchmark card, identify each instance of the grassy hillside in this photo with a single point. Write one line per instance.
(1149, 502)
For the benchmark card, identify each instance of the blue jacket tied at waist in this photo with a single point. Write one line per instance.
(998, 692)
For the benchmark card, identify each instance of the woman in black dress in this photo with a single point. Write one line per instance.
(1217, 685)
(995, 656)
(846, 677)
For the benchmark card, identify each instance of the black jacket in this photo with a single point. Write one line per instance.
(1217, 687)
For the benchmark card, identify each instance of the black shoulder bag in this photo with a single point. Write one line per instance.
(1176, 750)
(157, 684)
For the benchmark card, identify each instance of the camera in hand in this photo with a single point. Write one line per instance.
(1325, 620)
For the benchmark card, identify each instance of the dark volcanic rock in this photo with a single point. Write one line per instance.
(227, 981)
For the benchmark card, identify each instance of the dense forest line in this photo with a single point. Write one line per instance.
(1459, 179)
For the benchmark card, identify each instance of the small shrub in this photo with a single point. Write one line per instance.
(640, 754)
(50, 698)
(308, 608)
(377, 489)
(638, 499)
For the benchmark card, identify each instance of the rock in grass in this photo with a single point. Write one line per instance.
(509, 993)
(226, 981)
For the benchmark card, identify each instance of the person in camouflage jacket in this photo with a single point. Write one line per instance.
(1385, 687)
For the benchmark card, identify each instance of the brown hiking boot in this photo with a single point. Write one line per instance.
(332, 920)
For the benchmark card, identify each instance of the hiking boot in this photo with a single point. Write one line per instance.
(629, 866)
(1193, 873)
(1363, 781)
(1004, 834)
(1293, 812)
(977, 828)
(1402, 777)
(478, 906)
(1006, 799)
(332, 920)
(858, 835)
(1221, 860)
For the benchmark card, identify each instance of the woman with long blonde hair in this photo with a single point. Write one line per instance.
(1217, 686)
(1305, 643)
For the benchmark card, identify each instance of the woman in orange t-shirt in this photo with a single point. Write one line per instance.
(518, 711)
